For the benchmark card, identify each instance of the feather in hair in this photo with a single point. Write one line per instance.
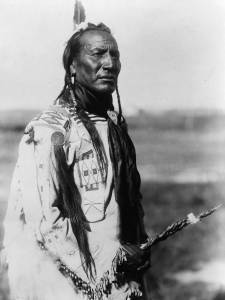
(79, 14)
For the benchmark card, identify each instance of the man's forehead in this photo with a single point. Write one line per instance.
(104, 44)
(98, 39)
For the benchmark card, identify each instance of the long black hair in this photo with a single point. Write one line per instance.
(68, 191)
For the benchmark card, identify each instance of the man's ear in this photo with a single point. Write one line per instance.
(72, 68)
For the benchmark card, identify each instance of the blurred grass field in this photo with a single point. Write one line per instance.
(182, 168)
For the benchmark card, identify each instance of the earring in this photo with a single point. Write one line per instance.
(71, 85)
(73, 76)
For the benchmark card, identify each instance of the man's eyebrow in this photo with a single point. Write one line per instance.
(91, 47)
(97, 46)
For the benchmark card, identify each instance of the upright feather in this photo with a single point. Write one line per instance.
(79, 13)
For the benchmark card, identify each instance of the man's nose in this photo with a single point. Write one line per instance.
(108, 61)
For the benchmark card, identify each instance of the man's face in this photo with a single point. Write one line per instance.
(98, 65)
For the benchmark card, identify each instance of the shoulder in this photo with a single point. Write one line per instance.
(41, 128)
(56, 117)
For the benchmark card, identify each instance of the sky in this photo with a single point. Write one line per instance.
(172, 51)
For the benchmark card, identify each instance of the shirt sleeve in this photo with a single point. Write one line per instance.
(31, 191)
(30, 271)
(24, 210)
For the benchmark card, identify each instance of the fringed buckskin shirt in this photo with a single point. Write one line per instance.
(33, 213)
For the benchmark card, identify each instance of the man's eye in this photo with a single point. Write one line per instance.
(115, 55)
(97, 54)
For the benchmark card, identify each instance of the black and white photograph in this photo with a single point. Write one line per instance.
(112, 156)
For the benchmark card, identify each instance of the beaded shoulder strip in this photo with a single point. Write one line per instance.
(72, 110)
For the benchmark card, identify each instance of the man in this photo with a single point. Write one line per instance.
(75, 194)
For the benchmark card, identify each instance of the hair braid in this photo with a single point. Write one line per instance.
(119, 103)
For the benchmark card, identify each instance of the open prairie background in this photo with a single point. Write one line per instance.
(181, 158)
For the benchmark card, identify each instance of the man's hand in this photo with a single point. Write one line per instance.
(138, 259)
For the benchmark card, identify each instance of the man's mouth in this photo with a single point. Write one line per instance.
(110, 78)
